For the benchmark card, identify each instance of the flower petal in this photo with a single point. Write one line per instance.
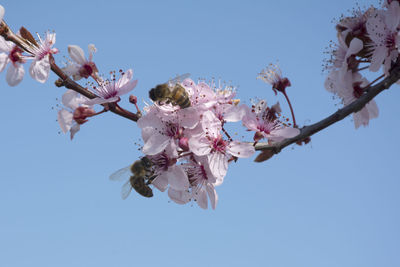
(64, 118)
(15, 74)
(77, 54)
(40, 69)
(240, 150)
(177, 178)
(212, 194)
(180, 197)
(3, 61)
(155, 144)
(1, 12)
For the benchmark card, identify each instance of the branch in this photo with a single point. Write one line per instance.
(357, 105)
(64, 79)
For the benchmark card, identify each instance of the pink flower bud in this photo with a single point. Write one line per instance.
(82, 113)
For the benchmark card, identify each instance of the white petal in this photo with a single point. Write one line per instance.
(40, 69)
(199, 145)
(69, 99)
(155, 144)
(212, 194)
(240, 150)
(218, 164)
(15, 74)
(177, 178)
(77, 54)
(64, 118)
(372, 109)
(5, 46)
(3, 61)
(127, 88)
(377, 58)
(75, 128)
(161, 182)
(355, 46)
(99, 101)
(124, 79)
(180, 197)
(201, 198)
(1, 12)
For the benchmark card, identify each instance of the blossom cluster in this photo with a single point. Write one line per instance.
(183, 130)
(368, 39)
(190, 147)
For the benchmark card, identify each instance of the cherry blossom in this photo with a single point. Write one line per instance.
(264, 121)
(349, 88)
(74, 112)
(382, 29)
(210, 143)
(81, 67)
(12, 54)
(40, 67)
(110, 90)
(202, 185)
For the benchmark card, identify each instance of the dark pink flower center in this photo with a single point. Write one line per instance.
(15, 55)
(219, 144)
(87, 69)
(357, 90)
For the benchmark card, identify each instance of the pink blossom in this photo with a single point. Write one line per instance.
(382, 29)
(218, 151)
(12, 54)
(40, 67)
(273, 75)
(349, 87)
(81, 67)
(72, 115)
(110, 90)
(167, 171)
(202, 185)
(264, 121)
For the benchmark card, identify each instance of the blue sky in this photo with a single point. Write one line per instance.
(332, 203)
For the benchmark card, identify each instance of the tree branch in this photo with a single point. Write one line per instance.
(357, 105)
(64, 79)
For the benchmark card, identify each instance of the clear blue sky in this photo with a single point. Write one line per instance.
(335, 202)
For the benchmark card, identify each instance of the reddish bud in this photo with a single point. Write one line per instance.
(133, 99)
(82, 113)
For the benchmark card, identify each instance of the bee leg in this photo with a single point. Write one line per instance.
(151, 179)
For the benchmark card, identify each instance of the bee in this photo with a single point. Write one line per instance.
(141, 176)
(171, 92)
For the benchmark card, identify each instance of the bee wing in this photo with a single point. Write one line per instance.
(126, 189)
(178, 79)
(121, 174)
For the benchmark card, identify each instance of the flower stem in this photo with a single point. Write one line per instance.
(291, 108)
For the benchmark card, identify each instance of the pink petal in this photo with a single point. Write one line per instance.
(125, 78)
(64, 118)
(40, 69)
(201, 198)
(355, 46)
(77, 54)
(377, 58)
(392, 17)
(15, 74)
(199, 145)
(161, 182)
(180, 197)
(177, 178)
(212, 194)
(218, 164)
(5, 46)
(1, 12)
(3, 61)
(75, 128)
(240, 150)
(127, 88)
(155, 144)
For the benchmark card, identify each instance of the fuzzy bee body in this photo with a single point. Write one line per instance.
(141, 175)
(171, 92)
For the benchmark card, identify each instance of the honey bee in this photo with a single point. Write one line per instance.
(141, 176)
(171, 92)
